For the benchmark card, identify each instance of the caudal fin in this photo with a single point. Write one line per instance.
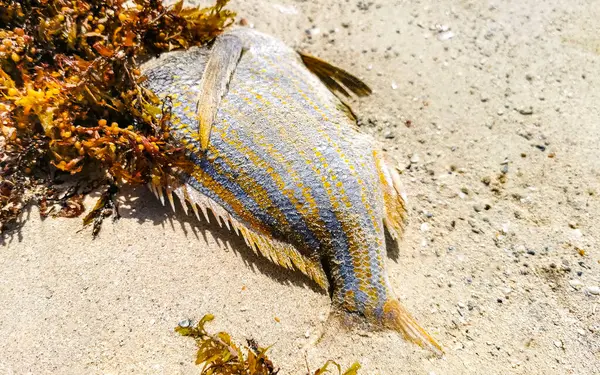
(398, 319)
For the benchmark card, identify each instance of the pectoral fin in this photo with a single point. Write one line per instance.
(336, 79)
(222, 62)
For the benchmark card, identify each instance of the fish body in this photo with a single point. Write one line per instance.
(286, 165)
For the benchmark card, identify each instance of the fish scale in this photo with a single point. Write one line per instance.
(287, 165)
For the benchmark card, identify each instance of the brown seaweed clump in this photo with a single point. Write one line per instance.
(71, 99)
(219, 355)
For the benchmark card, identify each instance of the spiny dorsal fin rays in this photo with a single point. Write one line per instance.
(227, 220)
(217, 217)
(195, 209)
(161, 196)
(205, 213)
(334, 77)
(276, 251)
(182, 199)
(170, 197)
(153, 189)
(222, 61)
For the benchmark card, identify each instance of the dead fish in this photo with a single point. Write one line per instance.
(279, 157)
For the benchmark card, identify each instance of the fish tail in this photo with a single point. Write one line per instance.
(396, 318)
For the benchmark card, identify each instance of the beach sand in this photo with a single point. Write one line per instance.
(504, 274)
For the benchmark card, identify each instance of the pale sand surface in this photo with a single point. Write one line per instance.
(73, 305)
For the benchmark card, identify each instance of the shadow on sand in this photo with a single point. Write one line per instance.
(139, 204)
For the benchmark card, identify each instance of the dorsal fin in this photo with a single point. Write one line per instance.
(279, 252)
(336, 79)
(393, 196)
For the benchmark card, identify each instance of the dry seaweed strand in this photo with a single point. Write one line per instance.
(219, 355)
(70, 93)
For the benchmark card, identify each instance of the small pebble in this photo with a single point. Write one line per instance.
(558, 344)
(594, 290)
(575, 284)
(425, 227)
(526, 111)
(185, 323)
(389, 135)
(313, 32)
(394, 85)
(445, 35)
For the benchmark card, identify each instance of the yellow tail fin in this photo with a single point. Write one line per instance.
(398, 319)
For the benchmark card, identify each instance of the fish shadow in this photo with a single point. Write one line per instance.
(140, 204)
(391, 245)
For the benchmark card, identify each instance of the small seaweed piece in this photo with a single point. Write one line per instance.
(352, 370)
(105, 206)
(219, 355)
(61, 202)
